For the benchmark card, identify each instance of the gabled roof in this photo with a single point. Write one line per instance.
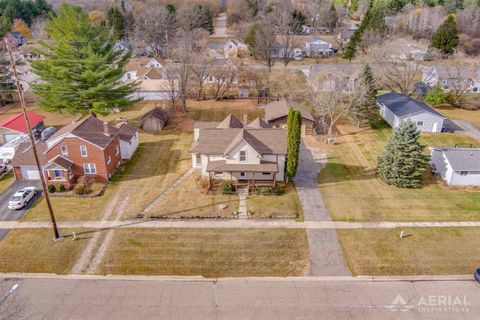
(61, 162)
(157, 113)
(24, 154)
(258, 124)
(279, 109)
(230, 122)
(18, 122)
(463, 159)
(403, 106)
(153, 74)
(126, 131)
(91, 130)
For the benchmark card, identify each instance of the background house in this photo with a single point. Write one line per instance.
(395, 108)
(276, 115)
(16, 125)
(243, 153)
(463, 78)
(335, 76)
(158, 89)
(457, 166)
(233, 48)
(316, 47)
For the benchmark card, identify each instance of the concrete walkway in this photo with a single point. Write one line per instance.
(220, 26)
(467, 128)
(242, 206)
(235, 223)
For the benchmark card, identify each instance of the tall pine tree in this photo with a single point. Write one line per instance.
(446, 38)
(82, 69)
(294, 138)
(7, 85)
(403, 162)
(366, 111)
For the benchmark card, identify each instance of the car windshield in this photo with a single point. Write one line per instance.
(16, 198)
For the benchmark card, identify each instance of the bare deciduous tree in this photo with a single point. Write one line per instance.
(264, 40)
(223, 76)
(283, 19)
(173, 90)
(201, 70)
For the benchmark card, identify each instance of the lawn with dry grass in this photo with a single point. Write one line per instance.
(451, 112)
(208, 252)
(191, 199)
(33, 250)
(6, 181)
(423, 251)
(353, 193)
(285, 204)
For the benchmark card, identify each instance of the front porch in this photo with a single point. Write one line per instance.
(58, 172)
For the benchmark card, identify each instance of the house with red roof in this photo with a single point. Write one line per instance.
(89, 148)
(13, 126)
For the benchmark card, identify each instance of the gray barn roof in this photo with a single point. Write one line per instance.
(463, 159)
(403, 106)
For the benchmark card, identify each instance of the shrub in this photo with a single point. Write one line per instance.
(269, 191)
(61, 188)
(82, 188)
(436, 97)
(227, 187)
(51, 188)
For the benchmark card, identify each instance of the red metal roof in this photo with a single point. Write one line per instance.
(18, 123)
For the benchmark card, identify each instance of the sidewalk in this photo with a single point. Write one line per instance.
(260, 224)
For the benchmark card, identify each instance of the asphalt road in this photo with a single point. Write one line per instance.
(3, 233)
(239, 299)
(9, 214)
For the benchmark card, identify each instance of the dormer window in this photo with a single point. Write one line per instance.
(243, 155)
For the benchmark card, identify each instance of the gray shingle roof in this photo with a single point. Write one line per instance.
(403, 106)
(279, 109)
(463, 159)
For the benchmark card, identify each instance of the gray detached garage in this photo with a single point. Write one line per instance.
(395, 108)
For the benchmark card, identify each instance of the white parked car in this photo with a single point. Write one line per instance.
(21, 198)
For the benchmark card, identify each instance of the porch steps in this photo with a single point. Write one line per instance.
(242, 207)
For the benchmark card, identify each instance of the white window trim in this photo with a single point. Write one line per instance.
(64, 152)
(117, 150)
(90, 168)
(109, 160)
(81, 151)
(240, 156)
(419, 123)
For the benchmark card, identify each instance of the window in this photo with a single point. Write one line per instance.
(109, 160)
(266, 173)
(464, 173)
(129, 76)
(419, 123)
(444, 81)
(242, 174)
(89, 168)
(64, 151)
(57, 173)
(83, 150)
(243, 155)
(117, 150)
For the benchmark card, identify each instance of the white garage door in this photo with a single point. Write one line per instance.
(30, 173)
(9, 137)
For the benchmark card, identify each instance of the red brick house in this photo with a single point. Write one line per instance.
(88, 148)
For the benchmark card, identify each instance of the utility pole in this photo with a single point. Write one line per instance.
(32, 141)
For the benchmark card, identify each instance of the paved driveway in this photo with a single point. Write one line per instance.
(10, 215)
(467, 128)
(3, 233)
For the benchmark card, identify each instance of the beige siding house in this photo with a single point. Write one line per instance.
(248, 154)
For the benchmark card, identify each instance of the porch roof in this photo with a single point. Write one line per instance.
(59, 162)
(222, 166)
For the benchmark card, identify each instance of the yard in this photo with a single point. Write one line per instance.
(6, 181)
(353, 193)
(33, 250)
(208, 252)
(461, 114)
(423, 251)
(285, 204)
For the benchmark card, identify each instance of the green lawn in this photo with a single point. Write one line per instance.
(208, 252)
(423, 251)
(33, 250)
(285, 204)
(6, 181)
(353, 193)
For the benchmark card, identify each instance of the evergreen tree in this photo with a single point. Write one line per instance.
(366, 110)
(7, 85)
(403, 162)
(298, 20)
(117, 21)
(204, 18)
(446, 38)
(250, 37)
(294, 136)
(82, 69)
(332, 19)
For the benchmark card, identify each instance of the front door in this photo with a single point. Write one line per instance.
(434, 129)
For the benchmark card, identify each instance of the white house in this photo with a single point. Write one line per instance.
(457, 166)
(395, 108)
(316, 47)
(142, 68)
(464, 78)
(156, 89)
(233, 48)
(128, 138)
(242, 153)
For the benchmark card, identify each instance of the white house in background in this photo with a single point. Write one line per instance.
(335, 76)
(465, 78)
(233, 48)
(246, 154)
(395, 108)
(157, 89)
(128, 136)
(457, 166)
(142, 68)
(316, 47)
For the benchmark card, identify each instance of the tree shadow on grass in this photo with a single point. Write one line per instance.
(338, 172)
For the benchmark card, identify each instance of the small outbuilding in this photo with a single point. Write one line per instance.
(154, 120)
(276, 114)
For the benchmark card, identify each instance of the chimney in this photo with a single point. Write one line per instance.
(245, 119)
(106, 128)
(120, 121)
